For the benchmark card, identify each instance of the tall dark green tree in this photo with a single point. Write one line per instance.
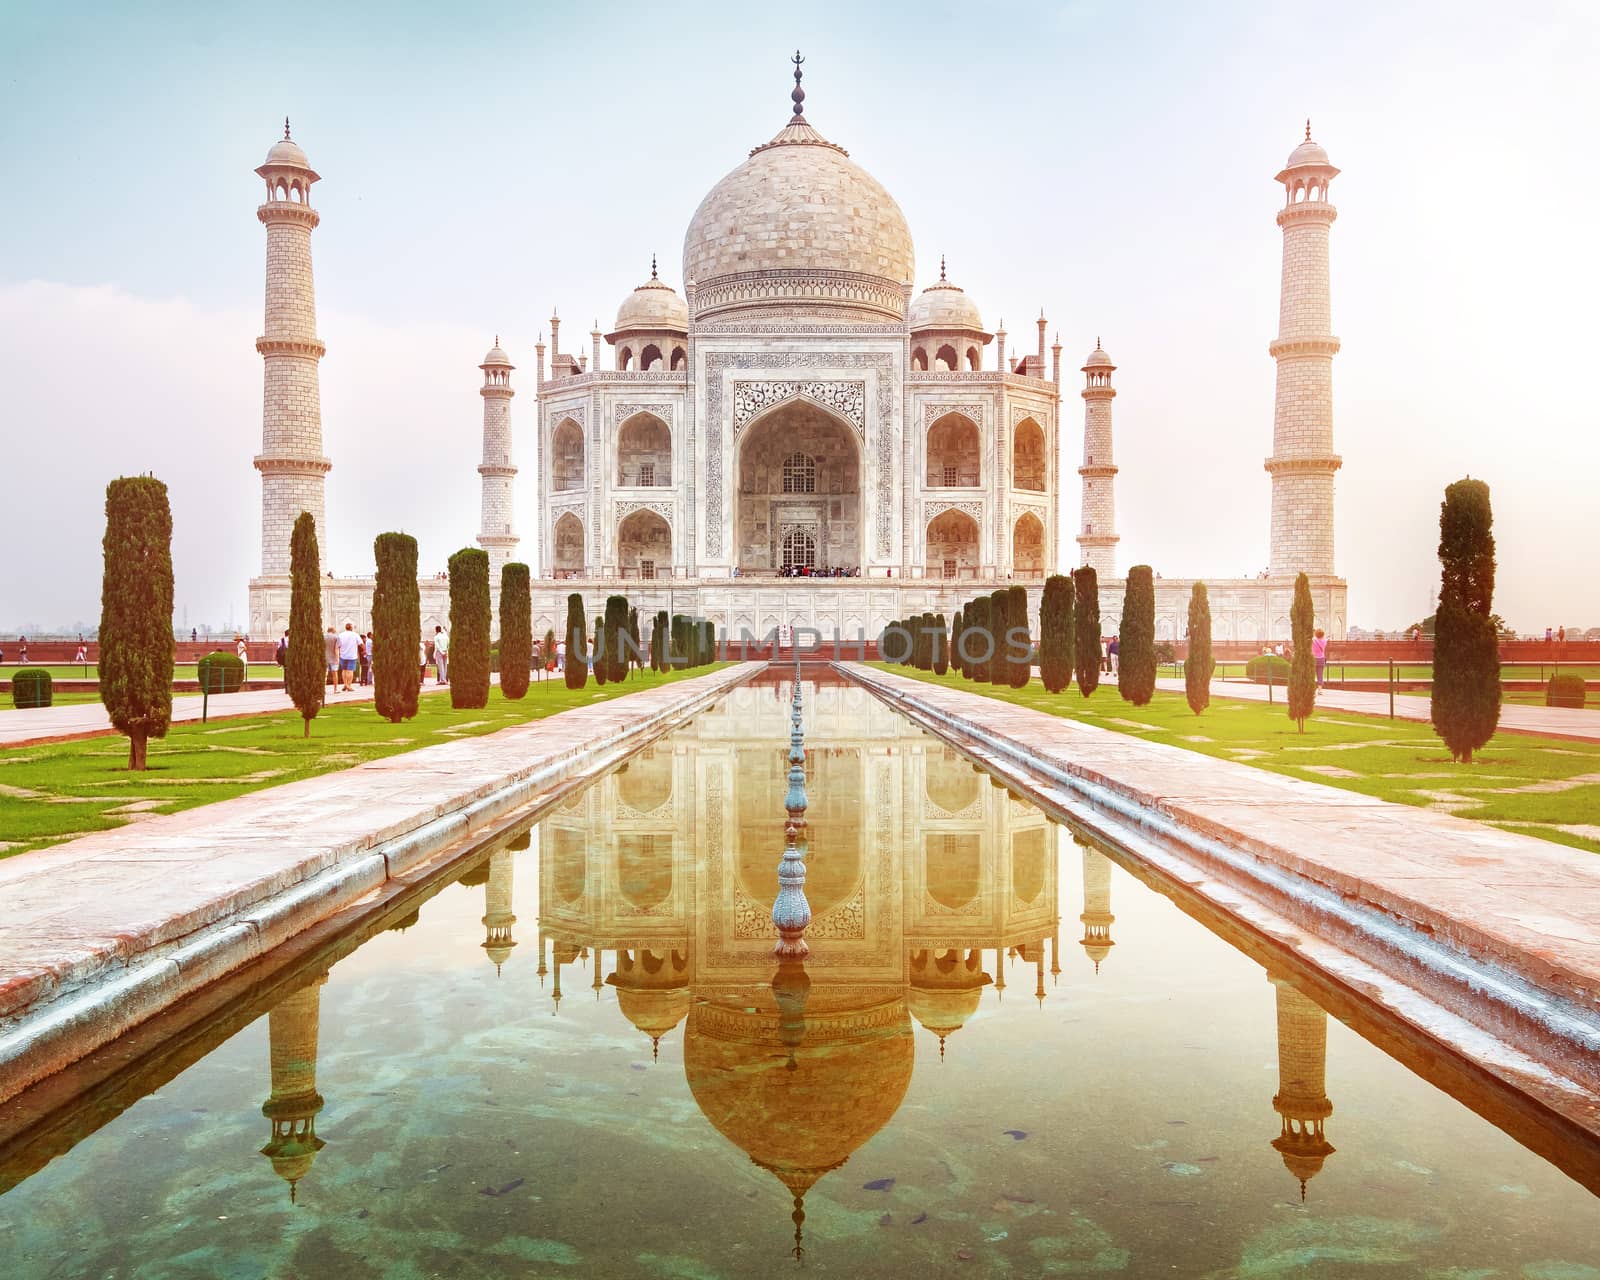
(1302, 666)
(659, 642)
(1136, 651)
(516, 631)
(979, 639)
(957, 620)
(1199, 666)
(1055, 633)
(136, 644)
(1000, 629)
(617, 638)
(470, 619)
(635, 648)
(396, 626)
(305, 668)
(1021, 666)
(597, 665)
(1086, 644)
(576, 668)
(941, 645)
(1466, 651)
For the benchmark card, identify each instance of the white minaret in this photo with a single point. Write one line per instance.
(1097, 533)
(1303, 461)
(495, 534)
(291, 463)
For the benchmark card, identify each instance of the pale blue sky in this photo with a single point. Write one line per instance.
(1112, 163)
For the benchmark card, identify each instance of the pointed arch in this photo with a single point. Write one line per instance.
(567, 541)
(566, 457)
(1027, 456)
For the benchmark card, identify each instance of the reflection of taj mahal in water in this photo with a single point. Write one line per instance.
(801, 408)
(928, 883)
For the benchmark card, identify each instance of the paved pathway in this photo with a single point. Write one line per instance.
(88, 910)
(1525, 903)
(86, 719)
(1554, 722)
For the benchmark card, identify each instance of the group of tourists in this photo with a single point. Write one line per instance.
(818, 571)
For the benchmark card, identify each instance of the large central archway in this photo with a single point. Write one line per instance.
(799, 496)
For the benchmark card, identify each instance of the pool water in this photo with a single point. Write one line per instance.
(1007, 1055)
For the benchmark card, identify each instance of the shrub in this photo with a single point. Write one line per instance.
(516, 631)
(1200, 666)
(469, 628)
(577, 670)
(1302, 667)
(1086, 646)
(1466, 650)
(396, 627)
(305, 666)
(1561, 691)
(1055, 633)
(136, 644)
(221, 672)
(30, 687)
(1267, 668)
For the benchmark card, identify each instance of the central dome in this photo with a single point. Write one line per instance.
(799, 228)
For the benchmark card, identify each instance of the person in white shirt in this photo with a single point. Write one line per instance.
(243, 650)
(441, 655)
(349, 656)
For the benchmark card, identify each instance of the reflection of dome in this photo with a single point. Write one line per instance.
(799, 225)
(654, 305)
(654, 1012)
(945, 1012)
(849, 1074)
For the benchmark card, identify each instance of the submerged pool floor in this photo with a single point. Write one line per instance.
(1006, 1055)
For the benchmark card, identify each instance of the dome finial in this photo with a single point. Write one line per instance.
(941, 269)
(286, 128)
(799, 94)
(1308, 128)
(652, 266)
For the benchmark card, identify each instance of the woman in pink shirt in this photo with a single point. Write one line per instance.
(1319, 651)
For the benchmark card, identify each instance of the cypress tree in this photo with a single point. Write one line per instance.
(929, 640)
(469, 628)
(679, 650)
(921, 659)
(635, 647)
(941, 646)
(597, 664)
(396, 624)
(980, 639)
(577, 672)
(658, 641)
(1022, 657)
(711, 641)
(1199, 665)
(136, 643)
(1055, 633)
(956, 621)
(1302, 668)
(1086, 642)
(1466, 651)
(1136, 655)
(305, 667)
(999, 625)
(617, 635)
(516, 631)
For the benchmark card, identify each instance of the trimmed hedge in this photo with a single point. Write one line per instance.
(469, 628)
(220, 672)
(396, 626)
(31, 687)
(1258, 667)
(1561, 691)
(516, 632)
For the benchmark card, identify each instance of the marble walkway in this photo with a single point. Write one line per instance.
(1523, 904)
(254, 870)
(1578, 725)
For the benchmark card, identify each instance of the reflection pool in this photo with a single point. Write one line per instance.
(1007, 1055)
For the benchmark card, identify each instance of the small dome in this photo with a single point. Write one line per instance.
(654, 305)
(285, 151)
(497, 357)
(1308, 152)
(944, 306)
(1098, 359)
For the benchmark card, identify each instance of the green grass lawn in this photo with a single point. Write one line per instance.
(1538, 786)
(1421, 671)
(54, 791)
(261, 670)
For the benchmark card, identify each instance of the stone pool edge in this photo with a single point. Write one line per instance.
(1247, 883)
(73, 1016)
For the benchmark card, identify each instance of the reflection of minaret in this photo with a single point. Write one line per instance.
(1096, 917)
(497, 916)
(562, 953)
(1302, 1097)
(294, 1102)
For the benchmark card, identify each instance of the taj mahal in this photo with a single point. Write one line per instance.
(801, 438)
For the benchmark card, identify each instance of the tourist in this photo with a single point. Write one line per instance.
(82, 656)
(1548, 636)
(2, 656)
(1319, 651)
(441, 656)
(349, 656)
(243, 650)
(422, 659)
(561, 655)
(194, 635)
(281, 654)
(22, 648)
(330, 653)
(1561, 635)
(366, 659)
(1113, 651)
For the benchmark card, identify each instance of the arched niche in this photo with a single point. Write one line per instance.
(1027, 546)
(644, 452)
(953, 547)
(567, 538)
(954, 451)
(566, 457)
(1027, 456)
(644, 545)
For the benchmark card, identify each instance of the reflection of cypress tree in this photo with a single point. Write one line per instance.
(1086, 648)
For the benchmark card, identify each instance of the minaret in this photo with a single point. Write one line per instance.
(1303, 461)
(1097, 918)
(294, 1102)
(497, 914)
(1302, 1097)
(291, 463)
(1097, 539)
(496, 536)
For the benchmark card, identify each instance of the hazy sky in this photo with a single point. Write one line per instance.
(1109, 162)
